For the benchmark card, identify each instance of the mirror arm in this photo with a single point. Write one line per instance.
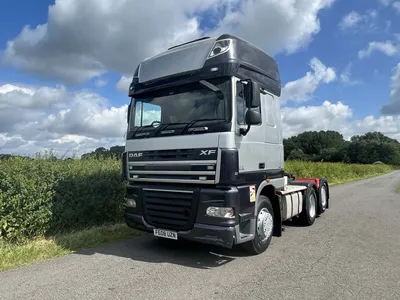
(245, 131)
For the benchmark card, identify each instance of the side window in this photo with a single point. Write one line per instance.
(241, 104)
(270, 104)
(138, 113)
(146, 113)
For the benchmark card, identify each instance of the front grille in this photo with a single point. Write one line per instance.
(173, 155)
(169, 209)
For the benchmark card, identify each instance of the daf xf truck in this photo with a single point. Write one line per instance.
(204, 156)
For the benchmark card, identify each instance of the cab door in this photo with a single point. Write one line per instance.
(273, 134)
(252, 146)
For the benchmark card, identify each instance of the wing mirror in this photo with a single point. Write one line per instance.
(252, 117)
(252, 94)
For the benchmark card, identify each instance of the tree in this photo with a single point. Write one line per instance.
(101, 152)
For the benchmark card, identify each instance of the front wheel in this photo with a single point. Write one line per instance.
(264, 227)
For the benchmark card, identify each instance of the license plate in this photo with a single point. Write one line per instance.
(166, 234)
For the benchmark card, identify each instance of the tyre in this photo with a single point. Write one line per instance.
(309, 213)
(264, 227)
(323, 196)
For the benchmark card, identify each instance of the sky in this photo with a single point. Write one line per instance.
(66, 65)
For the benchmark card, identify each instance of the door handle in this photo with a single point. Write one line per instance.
(261, 165)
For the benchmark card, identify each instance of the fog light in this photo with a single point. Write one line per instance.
(221, 212)
(130, 203)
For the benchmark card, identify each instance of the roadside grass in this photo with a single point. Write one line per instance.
(398, 189)
(27, 252)
(336, 173)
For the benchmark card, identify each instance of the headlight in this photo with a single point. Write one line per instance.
(221, 212)
(130, 202)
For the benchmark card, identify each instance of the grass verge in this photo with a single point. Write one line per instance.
(14, 255)
(336, 173)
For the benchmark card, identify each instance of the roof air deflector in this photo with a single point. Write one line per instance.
(203, 38)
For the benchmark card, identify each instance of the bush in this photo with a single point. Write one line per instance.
(43, 196)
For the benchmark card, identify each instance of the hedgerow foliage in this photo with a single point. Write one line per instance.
(42, 196)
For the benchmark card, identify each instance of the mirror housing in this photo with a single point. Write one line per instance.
(252, 117)
(252, 94)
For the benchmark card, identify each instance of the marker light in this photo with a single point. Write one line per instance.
(220, 47)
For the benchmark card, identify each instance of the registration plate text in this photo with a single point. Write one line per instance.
(166, 234)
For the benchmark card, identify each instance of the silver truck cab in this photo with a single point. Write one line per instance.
(204, 157)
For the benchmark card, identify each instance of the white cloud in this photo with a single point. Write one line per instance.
(328, 116)
(357, 21)
(394, 107)
(66, 146)
(13, 96)
(387, 48)
(302, 89)
(396, 6)
(350, 20)
(345, 77)
(338, 117)
(36, 118)
(388, 125)
(84, 39)
(385, 2)
(295, 23)
(101, 82)
(124, 83)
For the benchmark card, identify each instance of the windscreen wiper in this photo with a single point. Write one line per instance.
(165, 126)
(139, 129)
(214, 88)
(193, 122)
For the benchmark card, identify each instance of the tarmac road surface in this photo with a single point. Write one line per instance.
(351, 252)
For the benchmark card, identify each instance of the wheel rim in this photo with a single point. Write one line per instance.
(265, 224)
(323, 196)
(312, 206)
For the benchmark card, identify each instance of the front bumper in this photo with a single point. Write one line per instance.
(159, 207)
(222, 236)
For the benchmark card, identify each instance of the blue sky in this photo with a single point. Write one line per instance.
(335, 48)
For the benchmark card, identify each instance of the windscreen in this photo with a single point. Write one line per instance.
(182, 105)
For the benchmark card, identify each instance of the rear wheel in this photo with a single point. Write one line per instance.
(323, 195)
(264, 227)
(309, 213)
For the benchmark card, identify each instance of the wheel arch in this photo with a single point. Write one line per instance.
(269, 191)
(312, 183)
(309, 185)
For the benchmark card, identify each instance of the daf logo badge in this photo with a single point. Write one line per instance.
(137, 154)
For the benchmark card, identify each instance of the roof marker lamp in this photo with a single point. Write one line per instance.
(220, 47)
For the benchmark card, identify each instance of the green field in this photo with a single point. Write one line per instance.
(53, 207)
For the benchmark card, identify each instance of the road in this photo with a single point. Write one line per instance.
(351, 252)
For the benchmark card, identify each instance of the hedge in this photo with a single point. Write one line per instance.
(44, 196)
